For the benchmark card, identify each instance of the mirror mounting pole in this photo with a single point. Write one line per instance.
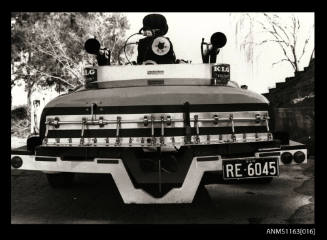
(217, 41)
(92, 46)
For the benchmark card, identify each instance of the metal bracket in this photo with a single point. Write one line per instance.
(215, 119)
(220, 137)
(152, 130)
(146, 121)
(173, 140)
(233, 137)
(256, 136)
(269, 136)
(197, 131)
(93, 106)
(162, 139)
(187, 123)
(265, 118)
(257, 118)
(82, 131)
(117, 130)
(55, 122)
(45, 140)
(168, 120)
(101, 123)
(231, 118)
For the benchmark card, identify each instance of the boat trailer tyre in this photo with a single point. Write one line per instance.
(60, 180)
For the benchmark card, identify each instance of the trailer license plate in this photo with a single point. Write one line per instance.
(250, 168)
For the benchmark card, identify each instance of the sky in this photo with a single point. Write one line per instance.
(186, 31)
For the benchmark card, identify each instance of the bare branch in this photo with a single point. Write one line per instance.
(282, 60)
(48, 75)
(296, 68)
(270, 40)
(58, 58)
(279, 39)
(284, 35)
(279, 36)
(305, 45)
(274, 23)
(294, 29)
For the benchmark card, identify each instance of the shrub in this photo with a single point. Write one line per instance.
(20, 113)
(20, 121)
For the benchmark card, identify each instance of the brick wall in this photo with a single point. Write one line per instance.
(296, 119)
(301, 85)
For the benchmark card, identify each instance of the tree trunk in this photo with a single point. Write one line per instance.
(29, 103)
(29, 96)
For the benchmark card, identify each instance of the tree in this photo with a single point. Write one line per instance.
(48, 48)
(271, 28)
(110, 32)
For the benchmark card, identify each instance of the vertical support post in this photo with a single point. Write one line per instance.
(197, 131)
(117, 130)
(187, 123)
(162, 140)
(82, 131)
(45, 140)
(93, 107)
(265, 117)
(159, 170)
(215, 122)
(269, 135)
(231, 117)
(152, 130)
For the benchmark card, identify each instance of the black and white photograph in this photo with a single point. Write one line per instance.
(163, 118)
